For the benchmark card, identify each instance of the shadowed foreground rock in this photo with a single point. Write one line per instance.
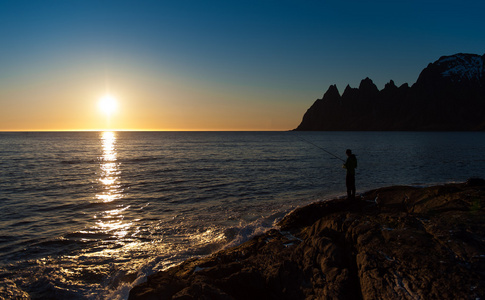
(394, 243)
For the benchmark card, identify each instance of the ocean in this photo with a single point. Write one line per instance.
(87, 215)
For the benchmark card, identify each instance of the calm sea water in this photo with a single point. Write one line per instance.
(84, 214)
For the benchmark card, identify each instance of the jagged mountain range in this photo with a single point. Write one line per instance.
(449, 95)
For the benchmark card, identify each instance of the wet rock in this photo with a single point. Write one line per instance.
(393, 243)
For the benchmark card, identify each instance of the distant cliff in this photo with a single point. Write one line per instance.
(448, 95)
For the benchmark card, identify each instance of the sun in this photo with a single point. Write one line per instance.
(108, 104)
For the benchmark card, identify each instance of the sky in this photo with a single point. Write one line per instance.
(212, 65)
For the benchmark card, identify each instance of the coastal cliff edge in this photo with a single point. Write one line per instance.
(398, 242)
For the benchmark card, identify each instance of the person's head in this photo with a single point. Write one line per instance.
(348, 152)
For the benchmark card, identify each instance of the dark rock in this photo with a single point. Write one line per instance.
(449, 94)
(392, 243)
(332, 94)
(475, 182)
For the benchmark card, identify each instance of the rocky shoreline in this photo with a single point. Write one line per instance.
(398, 242)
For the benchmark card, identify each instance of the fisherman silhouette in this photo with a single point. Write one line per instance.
(350, 165)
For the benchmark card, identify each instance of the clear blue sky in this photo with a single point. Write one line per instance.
(212, 65)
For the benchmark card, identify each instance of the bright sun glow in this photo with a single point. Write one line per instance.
(108, 104)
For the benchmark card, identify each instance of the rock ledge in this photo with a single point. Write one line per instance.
(398, 242)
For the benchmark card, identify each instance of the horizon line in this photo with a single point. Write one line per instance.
(145, 130)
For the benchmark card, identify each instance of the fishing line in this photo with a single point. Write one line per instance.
(330, 153)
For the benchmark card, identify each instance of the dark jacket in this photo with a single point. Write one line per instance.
(351, 164)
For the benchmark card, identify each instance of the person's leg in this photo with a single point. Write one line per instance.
(348, 183)
(353, 187)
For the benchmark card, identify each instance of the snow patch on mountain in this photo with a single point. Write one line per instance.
(462, 66)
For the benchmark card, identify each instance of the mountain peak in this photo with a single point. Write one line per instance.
(332, 93)
(448, 95)
(367, 83)
(461, 66)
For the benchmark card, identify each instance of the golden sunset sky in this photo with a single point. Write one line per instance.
(211, 65)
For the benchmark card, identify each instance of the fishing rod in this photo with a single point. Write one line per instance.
(320, 148)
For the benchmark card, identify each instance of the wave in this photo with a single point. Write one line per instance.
(138, 159)
(77, 161)
(86, 236)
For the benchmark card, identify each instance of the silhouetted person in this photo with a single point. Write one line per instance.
(350, 165)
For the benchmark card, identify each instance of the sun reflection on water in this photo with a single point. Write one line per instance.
(112, 221)
(109, 169)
